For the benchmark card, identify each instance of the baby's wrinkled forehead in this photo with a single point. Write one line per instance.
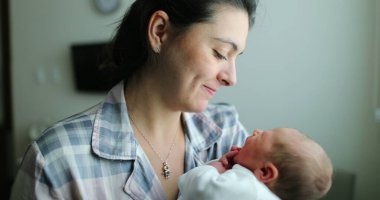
(288, 132)
(289, 136)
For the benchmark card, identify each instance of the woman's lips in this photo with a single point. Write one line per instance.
(210, 90)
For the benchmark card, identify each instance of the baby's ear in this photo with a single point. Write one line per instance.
(266, 174)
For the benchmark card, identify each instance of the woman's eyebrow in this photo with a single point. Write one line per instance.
(230, 42)
(234, 46)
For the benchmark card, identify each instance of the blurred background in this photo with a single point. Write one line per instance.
(312, 65)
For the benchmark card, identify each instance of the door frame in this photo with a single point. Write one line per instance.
(6, 130)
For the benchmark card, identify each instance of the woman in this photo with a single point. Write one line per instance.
(170, 57)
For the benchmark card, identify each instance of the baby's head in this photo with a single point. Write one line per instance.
(292, 165)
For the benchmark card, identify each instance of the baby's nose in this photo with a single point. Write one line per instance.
(256, 131)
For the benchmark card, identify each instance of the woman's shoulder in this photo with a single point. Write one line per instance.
(75, 130)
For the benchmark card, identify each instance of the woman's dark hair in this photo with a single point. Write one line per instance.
(130, 48)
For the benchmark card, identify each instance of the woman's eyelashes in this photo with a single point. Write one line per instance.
(219, 55)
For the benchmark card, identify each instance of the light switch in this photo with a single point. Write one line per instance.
(377, 114)
(40, 75)
(55, 75)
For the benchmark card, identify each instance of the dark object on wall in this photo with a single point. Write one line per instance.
(87, 62)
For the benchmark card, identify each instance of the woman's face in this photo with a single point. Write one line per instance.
(196, 64)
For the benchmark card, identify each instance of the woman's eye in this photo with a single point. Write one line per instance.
(219, 56)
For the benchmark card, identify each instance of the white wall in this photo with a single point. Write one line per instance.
(42, 76)
(308, 64)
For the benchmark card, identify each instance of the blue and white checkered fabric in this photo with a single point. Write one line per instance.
(94, 154)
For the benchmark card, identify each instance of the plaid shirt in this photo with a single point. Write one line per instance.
(95, 155)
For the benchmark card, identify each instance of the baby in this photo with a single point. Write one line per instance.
(273, 164)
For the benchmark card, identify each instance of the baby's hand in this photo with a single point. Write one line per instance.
(227, 159)
(219, 166)
(235, 148)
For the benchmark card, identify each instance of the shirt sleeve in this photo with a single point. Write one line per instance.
(30, 182)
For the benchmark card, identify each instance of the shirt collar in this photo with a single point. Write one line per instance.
(113, 137)
(201, 131)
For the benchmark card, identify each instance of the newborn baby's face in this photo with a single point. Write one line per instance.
(254, 153)
(255, 149)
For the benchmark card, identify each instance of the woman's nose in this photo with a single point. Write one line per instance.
(227, 77)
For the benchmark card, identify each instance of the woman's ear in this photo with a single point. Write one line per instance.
(158, 29)
(267, 173)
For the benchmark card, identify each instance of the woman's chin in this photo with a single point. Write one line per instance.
(200, 107)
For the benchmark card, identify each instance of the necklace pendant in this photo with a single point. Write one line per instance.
(165, 170)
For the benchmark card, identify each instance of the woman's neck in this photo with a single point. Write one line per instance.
(149, 112)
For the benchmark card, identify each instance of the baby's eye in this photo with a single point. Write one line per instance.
(219, 55)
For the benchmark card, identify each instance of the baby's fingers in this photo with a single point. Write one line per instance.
(235, 148)
(227, 159)
(231, 154)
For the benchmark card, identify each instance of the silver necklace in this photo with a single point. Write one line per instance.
(165, 167)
